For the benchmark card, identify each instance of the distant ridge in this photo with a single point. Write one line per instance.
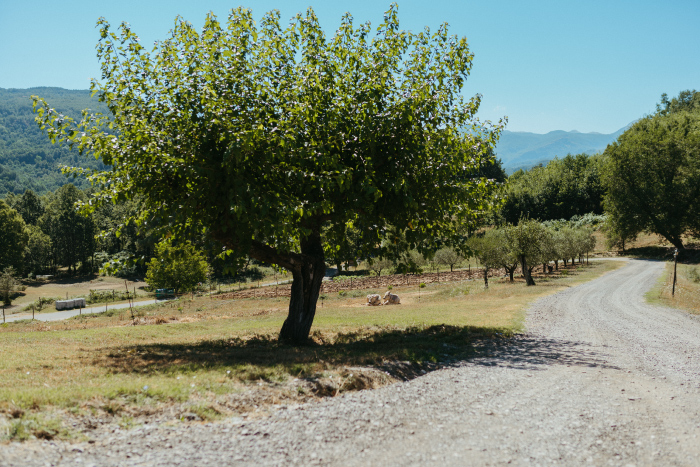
(519, 149)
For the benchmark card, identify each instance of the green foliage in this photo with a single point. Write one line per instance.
(377, 265)
(687, 101)
(13, 238)
(563, 188)
(28, 205)
(27, 159)
(528, 241)
(37, 254)
(652, 177)
(177, 267)
(263, 138)
(8, 282)
(448, 256)
(72, 234)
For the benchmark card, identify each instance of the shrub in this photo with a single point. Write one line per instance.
(422, 285)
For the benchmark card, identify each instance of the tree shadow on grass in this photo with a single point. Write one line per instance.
(404, 353)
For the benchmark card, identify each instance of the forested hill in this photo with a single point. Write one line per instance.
(524, 150)
(28, 160)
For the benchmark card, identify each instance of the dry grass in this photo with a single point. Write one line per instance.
(70, 287)
(210, 357)
(687, 295)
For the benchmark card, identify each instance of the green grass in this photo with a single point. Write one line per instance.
(209, 353)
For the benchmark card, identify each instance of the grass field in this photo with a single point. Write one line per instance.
(204, 358)
(71, 288)
(687, 293)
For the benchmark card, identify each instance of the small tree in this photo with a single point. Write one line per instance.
(449, 257)
(380, 264)
(525, 243)
(8, 282)
(489, 250)
(177, 267)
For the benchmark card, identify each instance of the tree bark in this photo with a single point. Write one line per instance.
(486, 277)
(307, 268)
(307, 277)
(526, 271)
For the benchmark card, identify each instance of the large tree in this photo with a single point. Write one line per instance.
(263, 137)
(653, 176)
(13, 237)
(72, 235)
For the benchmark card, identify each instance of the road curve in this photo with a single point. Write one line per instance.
(61, 315)
(600, 378)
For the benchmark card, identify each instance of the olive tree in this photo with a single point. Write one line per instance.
(448, 256)
(262, 137)
(528, 242)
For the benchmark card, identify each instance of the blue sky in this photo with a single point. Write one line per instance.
(547, 65)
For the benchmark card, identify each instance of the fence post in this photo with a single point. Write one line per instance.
(675, 265)
(32, 312)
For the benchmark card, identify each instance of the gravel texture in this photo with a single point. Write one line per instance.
(600, 378)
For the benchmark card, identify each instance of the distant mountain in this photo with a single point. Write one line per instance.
(28, 160)
(519, 149)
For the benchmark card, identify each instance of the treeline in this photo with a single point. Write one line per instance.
(46, 234)
(646, 181)
(28, 160)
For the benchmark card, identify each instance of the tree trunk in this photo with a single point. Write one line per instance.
(564, 261)
(486, 277)
(544, 268)
(526, 271)
(556, 264)
(573, 260)
(307, 273)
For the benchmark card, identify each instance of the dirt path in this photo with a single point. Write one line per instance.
(601, 378)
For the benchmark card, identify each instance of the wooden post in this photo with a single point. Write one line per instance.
(675, 265)
(3, 314)
(32, 312)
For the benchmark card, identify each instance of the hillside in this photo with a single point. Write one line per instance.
(29, 160)
(27, 157)
(524, 150)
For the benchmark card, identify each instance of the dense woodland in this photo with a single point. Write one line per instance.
(28, 160)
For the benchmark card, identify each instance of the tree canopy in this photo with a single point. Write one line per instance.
(13, 237)
(560, 190)
(653, 176)
(263, 137)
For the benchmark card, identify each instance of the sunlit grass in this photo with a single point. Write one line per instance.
(687, 293)
(207, 349)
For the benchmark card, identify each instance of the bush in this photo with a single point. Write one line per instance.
(179, 267)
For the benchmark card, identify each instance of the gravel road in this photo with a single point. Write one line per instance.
(600, 378)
